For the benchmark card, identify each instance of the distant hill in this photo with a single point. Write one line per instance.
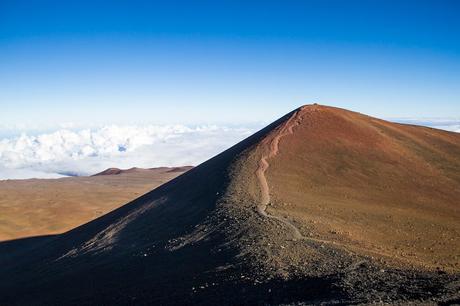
(116, 171)
(324, 205)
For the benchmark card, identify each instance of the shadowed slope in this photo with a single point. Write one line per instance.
(221, 233)
(135, 248)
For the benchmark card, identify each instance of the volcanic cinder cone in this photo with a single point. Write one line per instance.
(323, 205)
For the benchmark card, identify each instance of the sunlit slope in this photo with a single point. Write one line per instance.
(374, 186)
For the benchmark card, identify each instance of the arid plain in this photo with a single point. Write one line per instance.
(36, 207)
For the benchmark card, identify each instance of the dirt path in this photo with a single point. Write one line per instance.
(286, 129)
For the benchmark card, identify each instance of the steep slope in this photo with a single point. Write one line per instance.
(245, 227)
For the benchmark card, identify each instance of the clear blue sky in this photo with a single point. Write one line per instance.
(225, 61)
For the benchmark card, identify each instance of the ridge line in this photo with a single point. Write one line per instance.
(286, 129)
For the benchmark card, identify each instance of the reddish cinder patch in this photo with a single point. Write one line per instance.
(376, 187)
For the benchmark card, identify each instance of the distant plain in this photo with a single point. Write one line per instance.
(36, 207)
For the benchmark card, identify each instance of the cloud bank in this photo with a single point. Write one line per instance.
(87, 151)
(67, 151)
(452, 125)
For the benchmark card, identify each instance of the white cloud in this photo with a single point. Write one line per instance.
(448, 124)
(87, 151)
(453, 128)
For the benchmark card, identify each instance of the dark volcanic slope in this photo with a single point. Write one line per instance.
(241, 227)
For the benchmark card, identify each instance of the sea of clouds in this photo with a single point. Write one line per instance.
(85, 151)
(452, 125)
(67, 152)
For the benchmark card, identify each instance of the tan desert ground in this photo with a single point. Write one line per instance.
(323, 206)
(36, 207)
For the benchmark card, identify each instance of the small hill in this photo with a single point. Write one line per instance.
(116, 171)
(323, 205)
(109, 171)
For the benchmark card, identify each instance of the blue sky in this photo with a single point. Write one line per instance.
(174, 83)
(225, 61)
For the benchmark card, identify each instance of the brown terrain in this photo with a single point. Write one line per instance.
(377, 188)
(50, 206)
(323, 206)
